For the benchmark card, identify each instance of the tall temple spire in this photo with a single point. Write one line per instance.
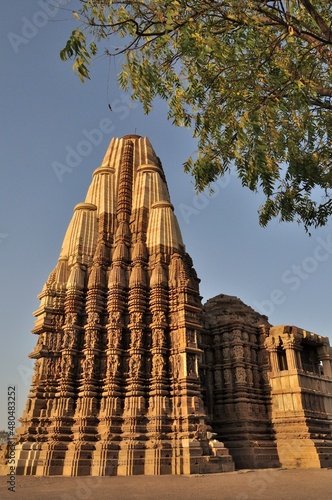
(116, 388)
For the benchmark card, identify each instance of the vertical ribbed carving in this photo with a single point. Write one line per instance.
(91, 363)
(125, 183)
(118, 356)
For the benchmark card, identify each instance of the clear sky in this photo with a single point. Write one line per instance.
(46, 112)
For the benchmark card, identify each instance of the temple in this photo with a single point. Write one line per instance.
(134, 376)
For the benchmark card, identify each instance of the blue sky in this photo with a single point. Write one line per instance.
(46, 112)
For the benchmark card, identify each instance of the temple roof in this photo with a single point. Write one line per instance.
(139, 190)
(225, 309)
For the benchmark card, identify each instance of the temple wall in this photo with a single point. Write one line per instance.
(240, 401)
(270, 389)
(301, 383)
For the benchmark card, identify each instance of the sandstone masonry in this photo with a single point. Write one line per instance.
(134, 376)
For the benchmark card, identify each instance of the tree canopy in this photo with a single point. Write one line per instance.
(252, 78)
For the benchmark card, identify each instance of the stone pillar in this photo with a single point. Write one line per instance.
(291, 354)
(324, 355)
(273, 352)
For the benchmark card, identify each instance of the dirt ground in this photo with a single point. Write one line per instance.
(267, 484)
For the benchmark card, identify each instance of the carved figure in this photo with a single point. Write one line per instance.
(134, 365)
(227, 376)
(71, 319)
(135, 337)
(191, 364)
(87, 366)
(190, 337)
(91, 338)
(176, 365)
(65, 340)
(238, 352)
(112, 364)
(159, 317)
(158, 336)
(93, 318)
(240, 375)
(36, 371)
(115, 317)
(57, 367)
(67, 365)
(59, 321)
(157, 365)
(236, 334)
(63, 366)
(114, 336)
(136, 317)
(245, 336)
(226, 337)
(50, 367)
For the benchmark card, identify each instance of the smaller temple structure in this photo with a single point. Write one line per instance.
(239, 389)
(270, 388)
(301, 391)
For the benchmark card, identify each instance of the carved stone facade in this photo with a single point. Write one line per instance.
(237, 359)
(116, 388)
(268, 389)
(301, 382)
(133, 376)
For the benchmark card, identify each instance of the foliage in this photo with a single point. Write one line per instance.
(252, 78)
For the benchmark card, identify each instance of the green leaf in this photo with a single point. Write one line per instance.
(255, 90)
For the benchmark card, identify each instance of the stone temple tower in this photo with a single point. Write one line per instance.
(116, 387)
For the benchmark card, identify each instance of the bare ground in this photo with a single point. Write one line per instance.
(271, 484)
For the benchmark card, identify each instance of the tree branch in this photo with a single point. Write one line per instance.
(317, 18)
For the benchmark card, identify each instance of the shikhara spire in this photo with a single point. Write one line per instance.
(132, 374)
(116, 387)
